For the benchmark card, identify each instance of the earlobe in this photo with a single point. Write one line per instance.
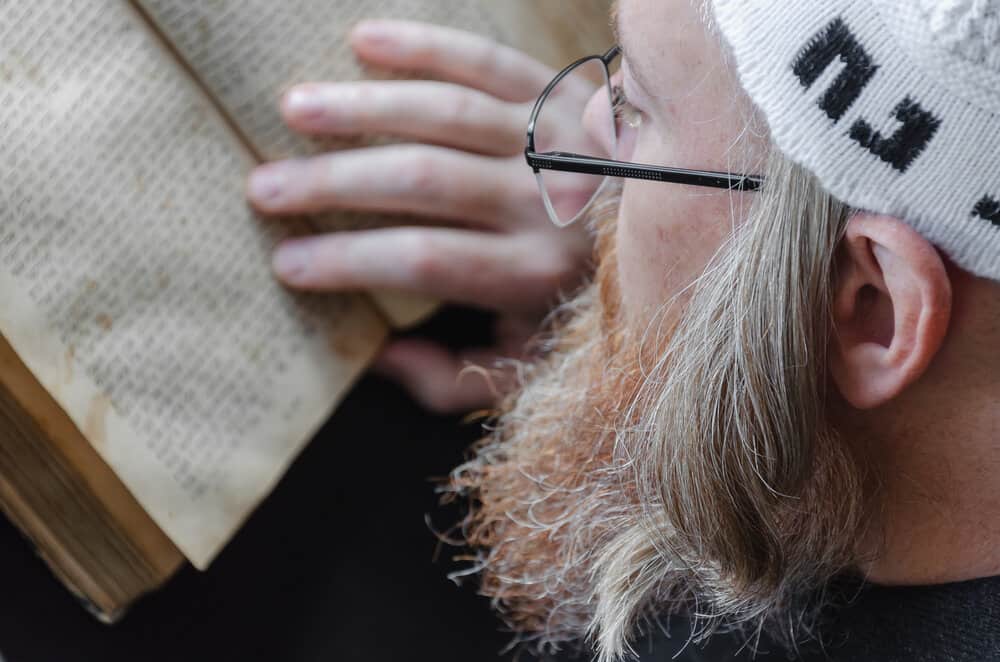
(891, 309)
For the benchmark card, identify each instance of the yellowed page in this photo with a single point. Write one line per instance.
(248, 52)
(135, 283)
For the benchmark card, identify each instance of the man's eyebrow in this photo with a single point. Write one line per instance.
(615, 30)
(633, 68)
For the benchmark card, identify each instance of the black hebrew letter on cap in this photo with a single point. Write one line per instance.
(903, 147)
(988, 209)
(835, 40)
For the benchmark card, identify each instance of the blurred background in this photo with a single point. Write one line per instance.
(338, 564)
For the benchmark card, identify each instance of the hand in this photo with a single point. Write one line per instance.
(488, 242)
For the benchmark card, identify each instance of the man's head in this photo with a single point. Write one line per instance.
(723, 421)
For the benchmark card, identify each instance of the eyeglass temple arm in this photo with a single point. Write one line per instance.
(566, 162)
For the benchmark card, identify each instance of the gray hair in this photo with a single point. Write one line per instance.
(750, 503)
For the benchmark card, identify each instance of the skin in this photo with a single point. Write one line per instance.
(913, 362)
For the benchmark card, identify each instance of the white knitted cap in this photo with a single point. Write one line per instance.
(893, 104)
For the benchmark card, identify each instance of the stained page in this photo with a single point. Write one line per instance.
(248, 52)
(135, 283)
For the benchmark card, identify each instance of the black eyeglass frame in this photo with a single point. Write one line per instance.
(568, 162)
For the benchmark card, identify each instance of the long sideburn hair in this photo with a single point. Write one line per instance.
(750, 503)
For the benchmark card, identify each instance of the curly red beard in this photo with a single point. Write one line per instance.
(544, 488)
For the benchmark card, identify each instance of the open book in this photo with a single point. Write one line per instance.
(155, 380)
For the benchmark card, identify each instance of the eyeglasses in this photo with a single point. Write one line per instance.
(565, 157)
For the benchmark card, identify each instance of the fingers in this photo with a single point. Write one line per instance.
(442, 381)
(451, 55)
(484, 270)
(415, 179)
(425, 111)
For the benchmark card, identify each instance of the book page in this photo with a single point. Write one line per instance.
(248, 52)
(135, 283)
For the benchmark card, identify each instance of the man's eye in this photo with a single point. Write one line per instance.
(625, 112)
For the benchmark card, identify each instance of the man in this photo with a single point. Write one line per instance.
(764, 392)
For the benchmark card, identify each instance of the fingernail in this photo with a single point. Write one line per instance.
(266, 184)
(291, 260)
(305, 103)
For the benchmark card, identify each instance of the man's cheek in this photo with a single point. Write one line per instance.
(665, 239)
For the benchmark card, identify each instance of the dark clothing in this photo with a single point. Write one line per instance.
(957, 622)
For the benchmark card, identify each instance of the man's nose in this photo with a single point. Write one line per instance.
(598, 122)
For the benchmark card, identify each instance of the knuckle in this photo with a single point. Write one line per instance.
(485, 61)
(419, 173)
(362, 99)
(321, 177)
(426, 261)
(462, 108)
(487, 58)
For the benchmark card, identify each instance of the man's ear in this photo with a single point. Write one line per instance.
(891, 309)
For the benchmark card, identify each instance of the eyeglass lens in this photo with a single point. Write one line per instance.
(573, 119)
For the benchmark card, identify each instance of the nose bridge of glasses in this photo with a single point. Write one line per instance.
(610, 55)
